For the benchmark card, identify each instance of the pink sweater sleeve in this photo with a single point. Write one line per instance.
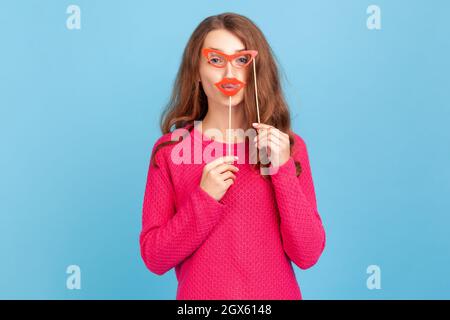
(169, 235)
(301, 227)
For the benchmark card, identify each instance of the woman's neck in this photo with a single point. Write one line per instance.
(217, 118)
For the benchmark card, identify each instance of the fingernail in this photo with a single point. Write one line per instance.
(254, 124)
(236, 157)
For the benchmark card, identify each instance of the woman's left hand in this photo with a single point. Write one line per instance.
(275, 141)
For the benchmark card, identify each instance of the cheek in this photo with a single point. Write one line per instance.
(208, 77)
(242, 75)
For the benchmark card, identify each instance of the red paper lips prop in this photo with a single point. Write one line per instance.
(229, 86)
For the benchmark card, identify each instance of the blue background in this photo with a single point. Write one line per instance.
(79, 114)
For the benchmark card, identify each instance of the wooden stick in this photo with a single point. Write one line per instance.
(229, 128)
(256, 89)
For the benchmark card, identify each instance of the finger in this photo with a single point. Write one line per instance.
(278, 134)
(263, 139)
(226, 167)
(269, 142)
(283, 136)
(260, 135)
(270, 131)
(264, 130)
(228, 182)
(275, 140)
(262, 126)
(219, 161)
(267, 135)
(265, 127)
(227, 175)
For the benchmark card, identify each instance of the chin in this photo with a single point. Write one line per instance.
(235, 100)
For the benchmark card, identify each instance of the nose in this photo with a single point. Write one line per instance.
(229, 70)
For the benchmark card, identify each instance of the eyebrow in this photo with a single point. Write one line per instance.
(234, 51)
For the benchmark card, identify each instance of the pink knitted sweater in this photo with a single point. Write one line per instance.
(240, 247)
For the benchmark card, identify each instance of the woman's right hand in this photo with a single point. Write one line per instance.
(218, 176)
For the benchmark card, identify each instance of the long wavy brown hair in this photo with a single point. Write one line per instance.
(189, 103)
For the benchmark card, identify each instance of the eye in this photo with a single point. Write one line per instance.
(242, 60)
(216, 60)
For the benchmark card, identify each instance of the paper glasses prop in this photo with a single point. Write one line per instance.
(231, 86)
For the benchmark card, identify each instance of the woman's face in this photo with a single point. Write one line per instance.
(228, 43)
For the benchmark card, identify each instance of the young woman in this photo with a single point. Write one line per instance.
(229, 231)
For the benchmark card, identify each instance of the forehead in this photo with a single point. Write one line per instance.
(224, 41)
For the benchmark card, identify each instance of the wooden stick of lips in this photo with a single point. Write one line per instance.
(229, 87)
